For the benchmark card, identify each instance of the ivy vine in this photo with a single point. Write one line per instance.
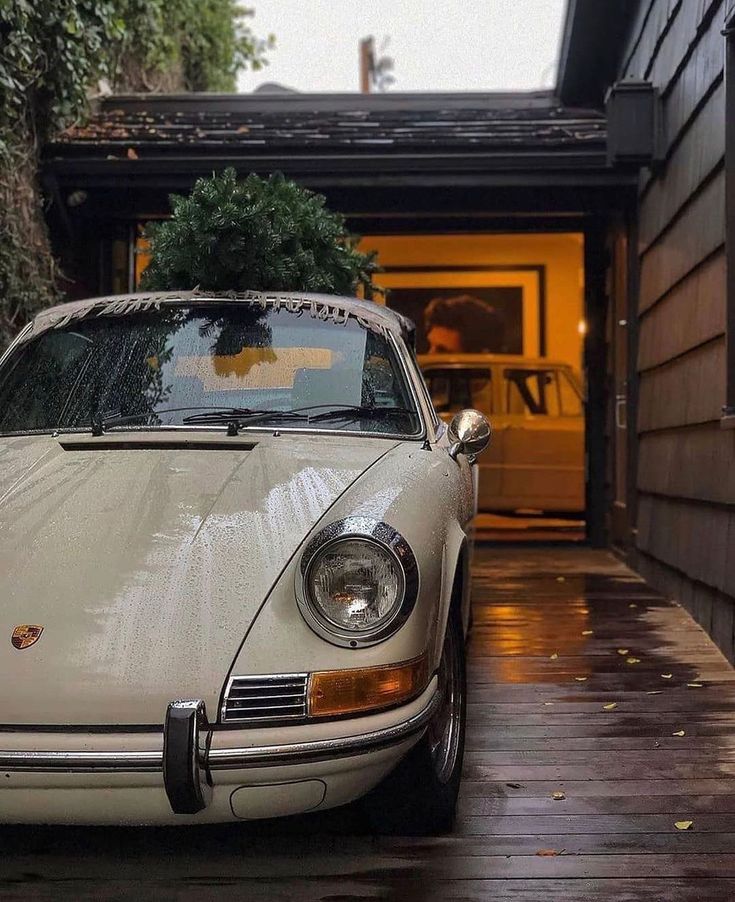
(53, 55)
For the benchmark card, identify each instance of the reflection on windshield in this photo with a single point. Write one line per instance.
(153, 366)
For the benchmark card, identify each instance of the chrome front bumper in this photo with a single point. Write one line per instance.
(187, 759)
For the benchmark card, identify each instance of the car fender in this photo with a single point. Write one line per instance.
(424, 496)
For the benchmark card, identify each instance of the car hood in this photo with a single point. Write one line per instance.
(146, 559)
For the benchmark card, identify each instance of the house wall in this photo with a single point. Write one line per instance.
(686, 477)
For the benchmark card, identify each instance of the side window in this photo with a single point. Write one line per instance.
(455, 389)
(424, 388)
(533, 392)
(571, 403)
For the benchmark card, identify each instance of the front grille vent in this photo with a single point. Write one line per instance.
(265, 698)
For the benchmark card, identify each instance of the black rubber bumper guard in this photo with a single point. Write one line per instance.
(185, 735)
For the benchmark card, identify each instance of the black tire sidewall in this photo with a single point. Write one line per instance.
(412, 800)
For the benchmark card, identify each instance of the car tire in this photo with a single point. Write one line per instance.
(419, 798)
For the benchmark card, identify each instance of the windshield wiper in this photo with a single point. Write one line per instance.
(329, 412)
(240, 416)
(359, 412)
(100, 423)
(236, 417)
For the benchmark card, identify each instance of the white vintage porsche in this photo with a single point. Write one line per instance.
(234, 552)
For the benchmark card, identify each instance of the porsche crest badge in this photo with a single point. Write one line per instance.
(26, 635)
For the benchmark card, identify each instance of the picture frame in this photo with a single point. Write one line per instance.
(446, 303)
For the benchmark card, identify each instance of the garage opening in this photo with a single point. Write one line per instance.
(501, 327)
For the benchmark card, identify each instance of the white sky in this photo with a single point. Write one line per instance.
(437, 45)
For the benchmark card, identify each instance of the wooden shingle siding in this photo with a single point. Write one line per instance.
(698, 232)
(686, 476)
(693, 161)
(685, 391)
(691, 537)
(687, 88)
(689, 315)
(693, 464)
(684, 31)
(655, 17)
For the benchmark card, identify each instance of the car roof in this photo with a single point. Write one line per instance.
(487, 359)
(370, 311)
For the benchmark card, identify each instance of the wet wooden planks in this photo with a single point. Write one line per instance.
(544, 669)
(588, 685)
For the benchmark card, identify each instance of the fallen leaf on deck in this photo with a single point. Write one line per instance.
(610, 705)
(667, 676)
(548, 853)
(683, 825)
(558, 796)
(632, 660)
(514, 785)
(623, 651)
(580, 679)
(679, 733)
(553, 657)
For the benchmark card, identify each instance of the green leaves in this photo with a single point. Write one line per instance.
(49, 58)
(191, 45)
(53, 54)
(255, 234)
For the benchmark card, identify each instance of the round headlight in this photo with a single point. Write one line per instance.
(355, 584)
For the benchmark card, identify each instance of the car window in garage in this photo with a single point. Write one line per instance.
(453, 389)
(571, 402)
(533, 392)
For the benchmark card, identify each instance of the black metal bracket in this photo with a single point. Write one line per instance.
(183, 755)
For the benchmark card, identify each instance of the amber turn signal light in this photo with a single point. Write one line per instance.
(366, 689)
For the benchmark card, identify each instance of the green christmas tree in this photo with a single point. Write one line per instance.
(255, 234)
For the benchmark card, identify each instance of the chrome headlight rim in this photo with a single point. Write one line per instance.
(387, 539)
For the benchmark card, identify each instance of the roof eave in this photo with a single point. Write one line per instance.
(324, 102)
(593, 36)
(551, 167)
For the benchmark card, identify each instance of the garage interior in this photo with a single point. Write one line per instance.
(532, 482)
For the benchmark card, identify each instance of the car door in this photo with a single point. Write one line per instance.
(455, 387)
(541, 439)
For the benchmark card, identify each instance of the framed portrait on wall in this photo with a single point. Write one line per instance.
(495, 310)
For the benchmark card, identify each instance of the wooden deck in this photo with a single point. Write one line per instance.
(600, 716)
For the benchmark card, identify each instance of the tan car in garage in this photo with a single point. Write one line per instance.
(536, 459)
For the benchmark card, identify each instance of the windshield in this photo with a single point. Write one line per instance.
(163, 366)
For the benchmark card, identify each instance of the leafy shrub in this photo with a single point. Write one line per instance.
(254, 234)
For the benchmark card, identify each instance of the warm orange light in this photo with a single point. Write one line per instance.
(351, 691)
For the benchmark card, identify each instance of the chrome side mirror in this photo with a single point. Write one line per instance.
(469, 433)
